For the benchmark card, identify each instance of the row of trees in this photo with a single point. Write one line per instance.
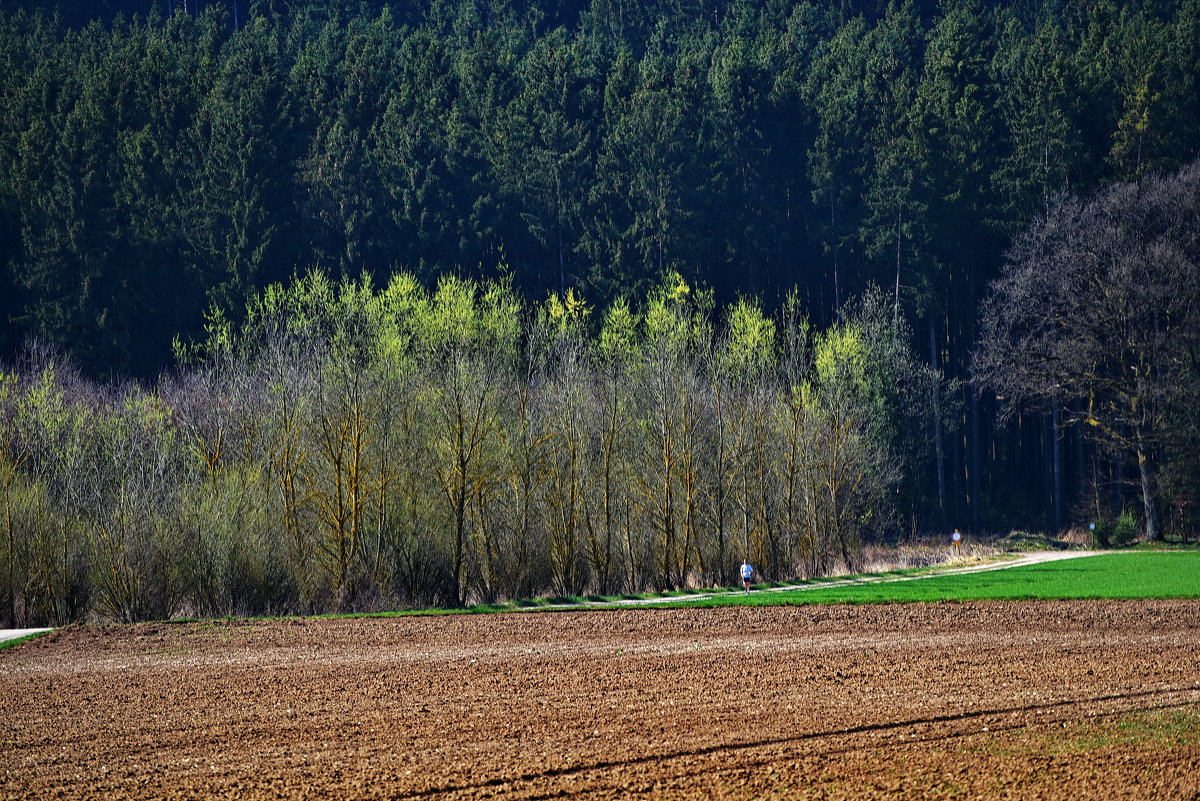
(348, 447)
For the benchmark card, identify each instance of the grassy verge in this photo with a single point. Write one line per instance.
(18, 640)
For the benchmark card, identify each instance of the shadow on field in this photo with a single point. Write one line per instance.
(832, 733)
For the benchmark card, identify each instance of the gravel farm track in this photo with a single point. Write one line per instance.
(1046, 700)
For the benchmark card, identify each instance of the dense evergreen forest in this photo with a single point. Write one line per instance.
(196, 193)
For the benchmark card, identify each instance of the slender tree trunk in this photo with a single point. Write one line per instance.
(1080, 466)
(9, 528)
(460, 514)
(976, 439)
(976, 478)
(837, 290)
(562, 270)
(1118, 479)
(939, 445)
(1056, 424)
(896, 297)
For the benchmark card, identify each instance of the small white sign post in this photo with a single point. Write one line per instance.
(956, 543)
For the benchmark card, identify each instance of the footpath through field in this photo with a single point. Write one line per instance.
(1017, 560)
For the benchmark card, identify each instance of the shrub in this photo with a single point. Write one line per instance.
(1125, 530)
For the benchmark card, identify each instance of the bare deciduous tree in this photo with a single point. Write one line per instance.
(1098, 308)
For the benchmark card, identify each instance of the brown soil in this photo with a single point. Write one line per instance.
(1013, 700)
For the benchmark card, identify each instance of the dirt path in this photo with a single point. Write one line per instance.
(1053, 700)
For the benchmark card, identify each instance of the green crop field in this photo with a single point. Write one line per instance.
(1168, 574)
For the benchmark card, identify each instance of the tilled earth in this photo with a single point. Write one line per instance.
(991, 700)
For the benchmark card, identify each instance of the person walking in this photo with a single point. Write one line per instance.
(747, 574)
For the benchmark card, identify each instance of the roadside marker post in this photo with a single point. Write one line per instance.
(956, 543)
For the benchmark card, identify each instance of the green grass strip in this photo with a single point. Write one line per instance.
(15, 641)
(1133, 575)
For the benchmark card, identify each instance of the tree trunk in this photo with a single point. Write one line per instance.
(976, 479)
(939, 445)
(896, 297)
(1149, 502)
(11, 600)
(837, 291)
(1058, 465)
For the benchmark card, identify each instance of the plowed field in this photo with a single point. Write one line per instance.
(1056, 700)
